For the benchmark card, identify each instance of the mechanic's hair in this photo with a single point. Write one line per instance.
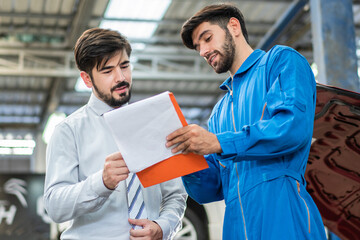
(96, 46)
(219, 14)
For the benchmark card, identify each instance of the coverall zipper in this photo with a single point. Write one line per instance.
(242, 210)
(232, 104)
(298, 188)
(237, 173)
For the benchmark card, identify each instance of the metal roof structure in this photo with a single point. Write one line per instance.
(38, 72)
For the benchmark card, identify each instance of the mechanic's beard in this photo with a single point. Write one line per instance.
(227, 55)
(110, 100)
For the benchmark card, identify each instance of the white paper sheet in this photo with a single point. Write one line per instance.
(140, 130)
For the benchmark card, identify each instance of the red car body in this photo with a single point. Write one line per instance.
(333, 169)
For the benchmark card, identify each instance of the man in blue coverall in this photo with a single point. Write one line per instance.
(259, 133)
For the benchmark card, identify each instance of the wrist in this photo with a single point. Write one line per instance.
(217, 146)
(108, 187)
(159, 232)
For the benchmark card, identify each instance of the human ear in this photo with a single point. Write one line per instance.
(86, 78)
(234, 26)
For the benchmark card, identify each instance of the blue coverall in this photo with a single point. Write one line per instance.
(264, 124)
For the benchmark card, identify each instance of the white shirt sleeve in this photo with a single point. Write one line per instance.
(66, 198)
(173, 207)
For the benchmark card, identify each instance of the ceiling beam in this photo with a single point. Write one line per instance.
(35, 15)
(81, 20)
(34, 29)
(28, 127)
(171, 66)
(286, 20)
(170, 21)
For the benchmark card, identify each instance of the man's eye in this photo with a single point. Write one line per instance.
(108, 71)
(125, 66)
(207, 39)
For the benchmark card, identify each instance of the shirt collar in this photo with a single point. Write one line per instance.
(248, 63)
(98, 106)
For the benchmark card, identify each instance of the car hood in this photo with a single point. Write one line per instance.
(333, 169)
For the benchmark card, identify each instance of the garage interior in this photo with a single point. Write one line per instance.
(39, 80)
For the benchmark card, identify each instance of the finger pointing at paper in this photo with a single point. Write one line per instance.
(195, 139)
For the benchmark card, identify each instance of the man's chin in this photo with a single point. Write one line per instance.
(121, 99)
(120, 96)
(218, 71)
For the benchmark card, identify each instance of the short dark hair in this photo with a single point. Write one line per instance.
(219, 14)
(96, 46)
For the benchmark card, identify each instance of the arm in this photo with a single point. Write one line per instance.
(289, 115)
(286, 126)
(205, 186)
(172, 208)
(65, 197)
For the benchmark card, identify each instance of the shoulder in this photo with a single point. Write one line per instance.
(80, 113)
(65, 131)
(73, 119)
(277, 49)
(281, 57)
(284, 53)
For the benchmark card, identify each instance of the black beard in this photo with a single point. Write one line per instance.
(228, 54)
(110, 100)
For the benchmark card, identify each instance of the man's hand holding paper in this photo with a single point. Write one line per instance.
(195, 139)
(140, 130)
(115, 170)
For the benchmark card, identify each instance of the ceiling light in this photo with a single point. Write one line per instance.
(118, 10)
(17, 143)
(16, 147)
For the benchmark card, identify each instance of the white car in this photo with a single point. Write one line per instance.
(202, 222)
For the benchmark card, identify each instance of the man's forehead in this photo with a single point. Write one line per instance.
(121, 56)
(115, 59)
(201, 29)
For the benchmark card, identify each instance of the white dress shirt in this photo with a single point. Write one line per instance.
(74, 189)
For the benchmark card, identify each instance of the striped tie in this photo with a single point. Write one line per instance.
(135, 199)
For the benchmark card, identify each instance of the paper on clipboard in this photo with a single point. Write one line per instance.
(140, 131)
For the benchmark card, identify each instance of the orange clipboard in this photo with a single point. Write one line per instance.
(175, 166)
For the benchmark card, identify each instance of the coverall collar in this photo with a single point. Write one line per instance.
(248, 63)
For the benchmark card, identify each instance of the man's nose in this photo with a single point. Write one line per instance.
(204, 51)
(119, 77)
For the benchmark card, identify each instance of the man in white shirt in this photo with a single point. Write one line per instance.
(85, 173)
